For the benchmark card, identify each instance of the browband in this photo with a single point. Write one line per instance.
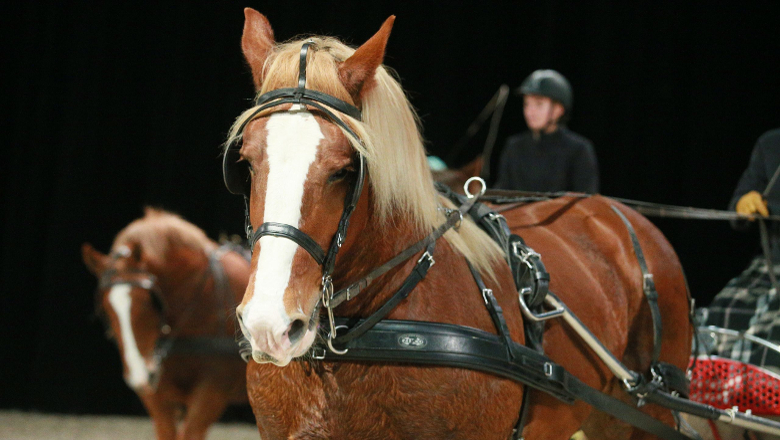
(303, 96)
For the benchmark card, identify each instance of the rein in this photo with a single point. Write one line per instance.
(647, 208)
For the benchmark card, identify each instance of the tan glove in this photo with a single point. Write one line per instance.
(752, 203)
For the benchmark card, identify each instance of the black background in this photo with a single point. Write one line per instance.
(112, 106)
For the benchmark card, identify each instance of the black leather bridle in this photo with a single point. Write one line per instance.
(237, 180)
(169, 340)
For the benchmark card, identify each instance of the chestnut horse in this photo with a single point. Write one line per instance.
(168, 294)
(301, 168)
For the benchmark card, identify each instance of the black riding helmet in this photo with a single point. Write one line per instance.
(548, 83)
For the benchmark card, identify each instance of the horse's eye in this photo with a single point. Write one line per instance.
(340, 174)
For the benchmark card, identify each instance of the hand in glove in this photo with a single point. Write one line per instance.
(752, 203)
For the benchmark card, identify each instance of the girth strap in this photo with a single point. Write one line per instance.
(648, 286)
(292, 233)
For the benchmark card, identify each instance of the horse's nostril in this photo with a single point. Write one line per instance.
(296, 330)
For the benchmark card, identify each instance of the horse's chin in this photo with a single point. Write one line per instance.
(301, 348)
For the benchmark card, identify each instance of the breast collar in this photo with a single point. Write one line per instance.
(324, 103)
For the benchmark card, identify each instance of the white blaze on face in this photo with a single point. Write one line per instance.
(291, 147)
(120, 300)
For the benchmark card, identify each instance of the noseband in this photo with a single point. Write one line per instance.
(237, 180)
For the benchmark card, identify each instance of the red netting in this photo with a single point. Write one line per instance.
(724, 383)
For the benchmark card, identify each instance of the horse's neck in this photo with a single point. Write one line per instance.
(448, 293)
(189, 288)
(378, 243)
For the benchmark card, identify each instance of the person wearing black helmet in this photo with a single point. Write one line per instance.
(549, 156)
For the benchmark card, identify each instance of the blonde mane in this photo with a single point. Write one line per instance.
(158, 231)
(392, 144)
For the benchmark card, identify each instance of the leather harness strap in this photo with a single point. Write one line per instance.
(376, 339)
(428, 343)
(454, 217)
(418, 274)
(292, 233)
(648, 286)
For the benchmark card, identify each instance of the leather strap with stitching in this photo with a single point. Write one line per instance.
(428, 343)
(291, 233)
(411, 281)
(648, 286)
(453, 217)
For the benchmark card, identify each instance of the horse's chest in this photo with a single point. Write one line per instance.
(359, 401)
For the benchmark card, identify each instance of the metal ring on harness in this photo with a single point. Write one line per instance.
(481, 190)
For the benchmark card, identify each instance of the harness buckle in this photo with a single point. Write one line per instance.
(327, 290)
(424, 256)
(485, 293)
(494, 216)
(460, 219)
(648, 283)
(524, 253)
(318, 353)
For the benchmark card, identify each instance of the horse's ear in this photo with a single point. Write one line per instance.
(95, 261)
(257, 42)
(357, 71)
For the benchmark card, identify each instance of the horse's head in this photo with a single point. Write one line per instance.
(132, 308)
(303, 165)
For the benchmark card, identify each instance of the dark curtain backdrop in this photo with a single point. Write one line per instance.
(112, 106)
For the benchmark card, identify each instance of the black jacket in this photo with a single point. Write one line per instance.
(764, 162)
(560, 161)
